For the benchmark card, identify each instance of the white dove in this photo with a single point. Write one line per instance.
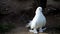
(38, 21)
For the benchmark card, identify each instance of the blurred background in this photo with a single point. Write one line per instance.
(15, 14)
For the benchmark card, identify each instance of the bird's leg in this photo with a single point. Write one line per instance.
(44, 29)
(40, 30)
(31, 30)
(34, 31)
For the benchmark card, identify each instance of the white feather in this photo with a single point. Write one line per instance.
(39, 19)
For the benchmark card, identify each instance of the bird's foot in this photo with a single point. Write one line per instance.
(41, 30)
(44, 29)
(34, 31)
(31, 31)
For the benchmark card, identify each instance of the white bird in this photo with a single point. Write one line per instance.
(38, 21)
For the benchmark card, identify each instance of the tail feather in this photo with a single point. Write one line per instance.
(28, 25)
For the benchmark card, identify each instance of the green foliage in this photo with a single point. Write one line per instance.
(5, 27)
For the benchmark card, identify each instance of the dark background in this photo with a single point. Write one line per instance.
(17, 13)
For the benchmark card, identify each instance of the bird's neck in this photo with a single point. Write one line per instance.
(39, 13)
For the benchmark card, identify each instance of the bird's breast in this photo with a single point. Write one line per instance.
(38, 21)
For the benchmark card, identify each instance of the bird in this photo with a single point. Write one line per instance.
(38, 21)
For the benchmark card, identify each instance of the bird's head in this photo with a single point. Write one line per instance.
(38, 10)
